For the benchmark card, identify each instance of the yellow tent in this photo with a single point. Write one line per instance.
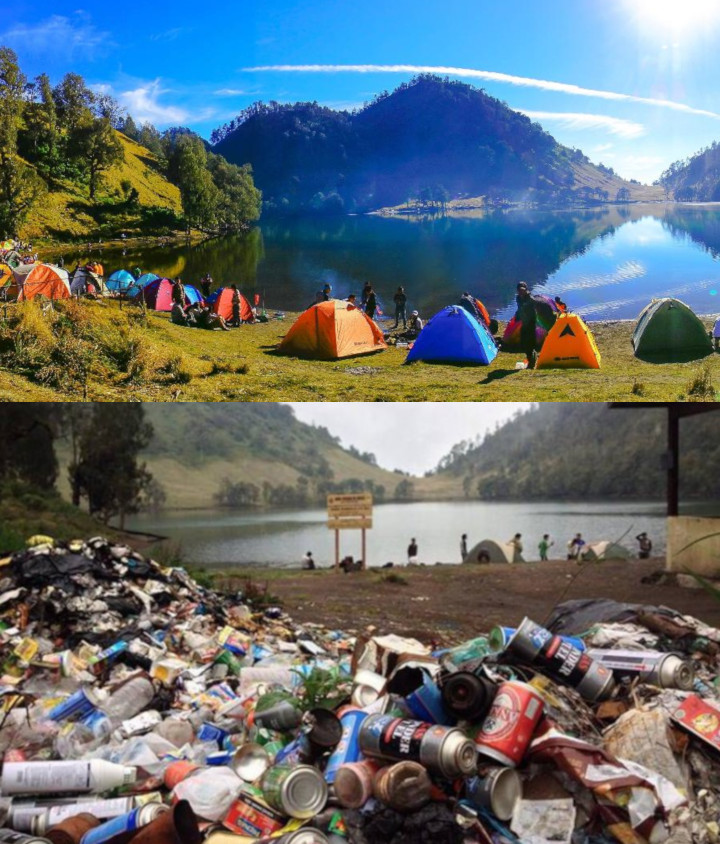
(569, 345)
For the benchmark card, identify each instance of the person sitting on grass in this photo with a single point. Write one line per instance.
(200, 316)
(178, 315)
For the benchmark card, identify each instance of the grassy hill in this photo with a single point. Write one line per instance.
(67, 214)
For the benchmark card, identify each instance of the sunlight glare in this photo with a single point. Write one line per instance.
(673, 17)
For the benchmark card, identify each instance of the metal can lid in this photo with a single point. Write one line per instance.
(250, 762)
(304, 792)
(150, 811)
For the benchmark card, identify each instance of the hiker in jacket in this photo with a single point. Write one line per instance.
(371, 304)
(400, 300)
(527, 317)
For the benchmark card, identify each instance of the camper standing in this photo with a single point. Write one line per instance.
(412, 551)
(544, 546)
(526, 316)
(400, 300)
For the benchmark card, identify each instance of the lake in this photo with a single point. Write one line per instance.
(281, 538)
(606, 263)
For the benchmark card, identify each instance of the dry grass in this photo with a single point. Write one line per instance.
(67, 214)
(129, 358)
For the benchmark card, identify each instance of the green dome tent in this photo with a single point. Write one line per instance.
(668, 330)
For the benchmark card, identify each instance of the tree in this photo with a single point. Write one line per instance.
(74, 101)
(40, 141)
(239, 200)
(623, 195)
(405, 490)
(107, 472)
(102, 150)
(200, 197)
(27, 437)
(20, 186)
(129, 128)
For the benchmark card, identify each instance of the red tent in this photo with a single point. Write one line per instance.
(222, 304)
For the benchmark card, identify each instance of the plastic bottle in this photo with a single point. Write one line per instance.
(95, 775)
(133, 696)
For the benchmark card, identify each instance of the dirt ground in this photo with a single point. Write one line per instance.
(448, 604)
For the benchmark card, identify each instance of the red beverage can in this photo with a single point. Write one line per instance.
(508, 729)
(15, 754)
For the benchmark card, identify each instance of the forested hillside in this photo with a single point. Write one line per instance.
(73, 164)
(696, 178)
(586, 451)
(431, 139)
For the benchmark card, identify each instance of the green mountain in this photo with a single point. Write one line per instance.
(695, 178)
(432, 139)
(586, 451)
(201, 447)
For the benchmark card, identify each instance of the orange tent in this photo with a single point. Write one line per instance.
(569, 345)
(222, 304)
(331, 330)
(8, 284)
(45, 280)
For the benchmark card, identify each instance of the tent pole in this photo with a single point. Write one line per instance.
(673, 480)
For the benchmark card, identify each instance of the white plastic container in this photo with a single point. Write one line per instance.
(76, 777)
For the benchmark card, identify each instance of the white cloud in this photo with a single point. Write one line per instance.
(168, 35)
(143, 104)
(415, 447)
(230, 92)
(58, 32)
(613, 125)
(487, 75)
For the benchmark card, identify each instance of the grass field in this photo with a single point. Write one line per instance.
(105, 351)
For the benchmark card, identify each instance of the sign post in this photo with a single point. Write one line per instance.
(352, 511)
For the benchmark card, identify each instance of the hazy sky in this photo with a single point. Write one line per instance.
(630, 82)
(412, 436)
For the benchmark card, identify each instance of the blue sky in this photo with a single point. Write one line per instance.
(630, 82)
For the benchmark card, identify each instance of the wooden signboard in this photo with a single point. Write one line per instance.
(351, 511)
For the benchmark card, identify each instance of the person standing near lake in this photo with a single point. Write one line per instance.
(235, 305)
(645, 544)
(206, 285)
(517, 545)
(527, 318)
(544, 545)
(400, 300)
(365, 293)
(371, 304)
(412, 551)
(178, 292)
(463, 547)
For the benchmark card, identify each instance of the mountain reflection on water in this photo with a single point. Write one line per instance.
(606, 263)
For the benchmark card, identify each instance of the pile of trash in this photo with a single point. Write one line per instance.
(137, 705)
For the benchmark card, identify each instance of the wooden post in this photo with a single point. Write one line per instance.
(364, 559)
(673, 457)
(337, 549)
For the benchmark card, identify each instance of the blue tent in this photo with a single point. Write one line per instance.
(454, 336)
(192, 294)
(146, 278)
(122, 282)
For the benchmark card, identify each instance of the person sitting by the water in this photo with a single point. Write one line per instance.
(561, 306)
(178, 315)
(415, 324)
(308, 562)
(349, 564)
(207, 319)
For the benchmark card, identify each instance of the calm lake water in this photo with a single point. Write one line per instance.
(605, 263)
(281, 538)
